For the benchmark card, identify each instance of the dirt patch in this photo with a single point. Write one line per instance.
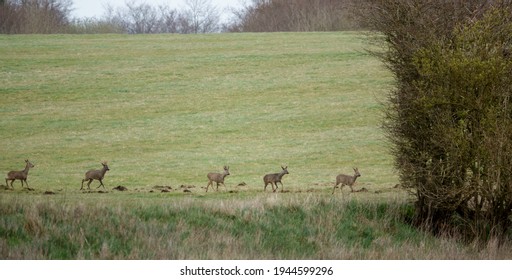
(157, 187)
(310, 190)
(91, 191)
(324, 184)
(49, 193)
(120, 188)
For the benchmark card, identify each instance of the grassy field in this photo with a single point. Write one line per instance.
(168, 109)
(164, 110)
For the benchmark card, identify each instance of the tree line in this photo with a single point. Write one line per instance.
(197, 16)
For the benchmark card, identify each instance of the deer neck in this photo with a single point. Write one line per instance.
(27, 168)
(281, 174)
(354, 178)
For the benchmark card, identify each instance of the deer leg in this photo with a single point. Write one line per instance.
(217, 185)
(25, 183)
(101, 184)
(274, 190)
(89, 184)
(209, 182)
(351, 189)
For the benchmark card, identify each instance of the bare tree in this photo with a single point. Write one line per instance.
(200, 16)
(168, 22)
(135, 17)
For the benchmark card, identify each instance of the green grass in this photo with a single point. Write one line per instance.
(167, 109)
(278, 226)
(164, 110)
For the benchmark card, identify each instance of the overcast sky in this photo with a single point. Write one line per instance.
(96, 8)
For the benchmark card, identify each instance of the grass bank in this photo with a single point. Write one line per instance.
(262, 227)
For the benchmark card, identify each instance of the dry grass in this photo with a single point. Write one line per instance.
(271, 226)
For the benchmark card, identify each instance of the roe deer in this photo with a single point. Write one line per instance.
(19, 175)
(275, 178)
(346, 180)
(95, 175)
(217, 178)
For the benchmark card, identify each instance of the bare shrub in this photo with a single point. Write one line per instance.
(449, 118)
(34, 16)
(300, 15)
(92, 26)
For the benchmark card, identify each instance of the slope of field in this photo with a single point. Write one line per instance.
(168, 109)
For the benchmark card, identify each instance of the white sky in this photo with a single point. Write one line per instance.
(96, 8)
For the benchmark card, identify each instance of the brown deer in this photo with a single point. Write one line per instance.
(95, 175)
(19, 175)
(346, 180)
(217, 178)
(275, 178)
